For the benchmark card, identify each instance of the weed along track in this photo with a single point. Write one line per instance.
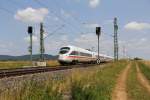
(119, 92)
(142, 79)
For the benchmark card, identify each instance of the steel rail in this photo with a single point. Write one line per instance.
(5, 73)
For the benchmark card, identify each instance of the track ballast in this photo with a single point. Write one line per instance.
(4, 73)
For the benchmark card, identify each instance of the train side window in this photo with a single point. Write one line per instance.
(74, 53)
(64, 50)
(85, 54)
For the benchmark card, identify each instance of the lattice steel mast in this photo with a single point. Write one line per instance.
(42, 50)
(115, 39)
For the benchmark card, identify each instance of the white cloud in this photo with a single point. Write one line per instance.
(89, 25)
(136, 47)
(137, 26)
(34, 39)
(31, 15)
(94, 3)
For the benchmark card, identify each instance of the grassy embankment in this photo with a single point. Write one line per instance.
(20, 64)
(145, 69)
(99, 85)
(135, 90)
(82, 84)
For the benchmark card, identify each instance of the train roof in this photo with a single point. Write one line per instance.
(79, 49)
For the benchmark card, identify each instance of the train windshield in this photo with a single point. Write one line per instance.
(64, 50)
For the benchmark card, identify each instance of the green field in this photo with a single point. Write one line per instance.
(20, 64)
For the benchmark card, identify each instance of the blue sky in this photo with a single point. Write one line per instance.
(75, 22)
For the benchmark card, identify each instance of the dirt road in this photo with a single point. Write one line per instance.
(142, 79)
(119, 92)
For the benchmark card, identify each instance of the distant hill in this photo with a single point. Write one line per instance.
(27, 57)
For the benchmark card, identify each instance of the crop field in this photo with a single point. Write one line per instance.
(122, 80)
(20, 64)
(13, 64)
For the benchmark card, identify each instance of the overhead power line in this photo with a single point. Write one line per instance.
(62, 26)
(6, 10)
(62, 19)
(73, 17)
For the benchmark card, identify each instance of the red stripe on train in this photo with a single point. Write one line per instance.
(77, 57)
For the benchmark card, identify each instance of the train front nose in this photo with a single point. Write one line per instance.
(61, 58)
(64, 51)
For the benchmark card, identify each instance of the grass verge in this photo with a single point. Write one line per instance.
(145, 69)
(98, 86)
(134, 88)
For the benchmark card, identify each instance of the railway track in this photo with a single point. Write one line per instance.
(4, 73)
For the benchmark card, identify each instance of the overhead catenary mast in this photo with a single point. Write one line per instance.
(42, 50)
(115, 40)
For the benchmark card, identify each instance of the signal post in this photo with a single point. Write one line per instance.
(30, 32)
(98, 33)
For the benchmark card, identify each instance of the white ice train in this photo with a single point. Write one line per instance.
(73, 55)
